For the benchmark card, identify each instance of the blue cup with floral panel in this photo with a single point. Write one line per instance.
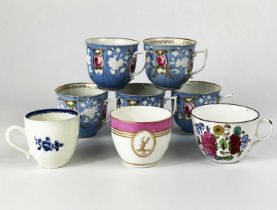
(112, 61)
(142, 94)
(193, 94)
(89, 101)
(169, 61)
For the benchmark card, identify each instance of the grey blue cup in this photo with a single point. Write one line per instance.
(169, 61)
(112, 61)
(142, 94)
(89, 101)
(193, 94)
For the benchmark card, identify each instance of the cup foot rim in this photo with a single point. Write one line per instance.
(223, 162)
(110, 89)
(168, 88)
(136, 165)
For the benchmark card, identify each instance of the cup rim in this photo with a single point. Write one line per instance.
(144, 122)
(146, 95)
(198, 81)
(111, 38)
(51, 110)
(228, 104)
(172, 38)
(88, 84)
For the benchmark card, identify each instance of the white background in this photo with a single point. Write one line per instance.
(42, 46)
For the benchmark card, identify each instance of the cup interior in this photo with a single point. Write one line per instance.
(141, 114)
(112, 41)
(79, 90)
(225, 113)
(141, 89)
(199, 87)
(51, 115)
(160, 41)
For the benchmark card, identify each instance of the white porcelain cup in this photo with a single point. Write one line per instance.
(225, 132)
(141, 134)
(51, 134)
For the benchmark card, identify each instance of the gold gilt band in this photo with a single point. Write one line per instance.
(131, 135)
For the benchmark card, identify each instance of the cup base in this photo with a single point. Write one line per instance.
(223, 162)
(110, 89)
(168, 88)
(135, 165)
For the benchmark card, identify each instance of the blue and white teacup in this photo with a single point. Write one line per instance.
(89, 101)
(112, 61)
(169, 61)
(193, 94)
(142, 94)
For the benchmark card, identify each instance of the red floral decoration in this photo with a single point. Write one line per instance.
(98, 61)
(208, 142)
(234, 144)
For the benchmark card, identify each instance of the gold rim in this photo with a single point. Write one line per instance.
(111, 38)
(140, 164)
(131, 135)
(69, 86)
(196, 81)
(171, 38)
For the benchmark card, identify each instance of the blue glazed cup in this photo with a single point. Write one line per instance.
(89, 101)
(169, 61)
(112, 61)
(193, 94)
(142, 94)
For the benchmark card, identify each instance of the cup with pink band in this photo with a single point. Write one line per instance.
(141, 134)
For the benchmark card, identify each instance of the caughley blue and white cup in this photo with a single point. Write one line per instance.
(89, 101)
(193, 94)
(112, 61)
(142, 94)
(51, 134)
(169, 61)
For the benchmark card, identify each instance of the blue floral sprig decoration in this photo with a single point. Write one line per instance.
(47, 145)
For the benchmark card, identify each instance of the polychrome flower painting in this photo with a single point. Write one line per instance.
(221, 142)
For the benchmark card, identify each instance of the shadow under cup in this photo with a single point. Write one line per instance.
(89, 101)
(141, 134)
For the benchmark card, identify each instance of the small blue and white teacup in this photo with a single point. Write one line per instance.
(89, 101)
(193, 94)
(169, 61)
(142, 94)
(112, 61)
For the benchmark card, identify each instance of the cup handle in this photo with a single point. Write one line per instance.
(263, 138)
(105, 120)
(174, 99)
(12, 144)
(226, 96)
(134, 56)
(205, 51)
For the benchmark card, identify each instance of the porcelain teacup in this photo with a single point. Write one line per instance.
(169, 61)
(225, 132)
(51, 134)
(112, 61)
(192, 94)
(89, 101)
(141, 134)
(142, 94)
